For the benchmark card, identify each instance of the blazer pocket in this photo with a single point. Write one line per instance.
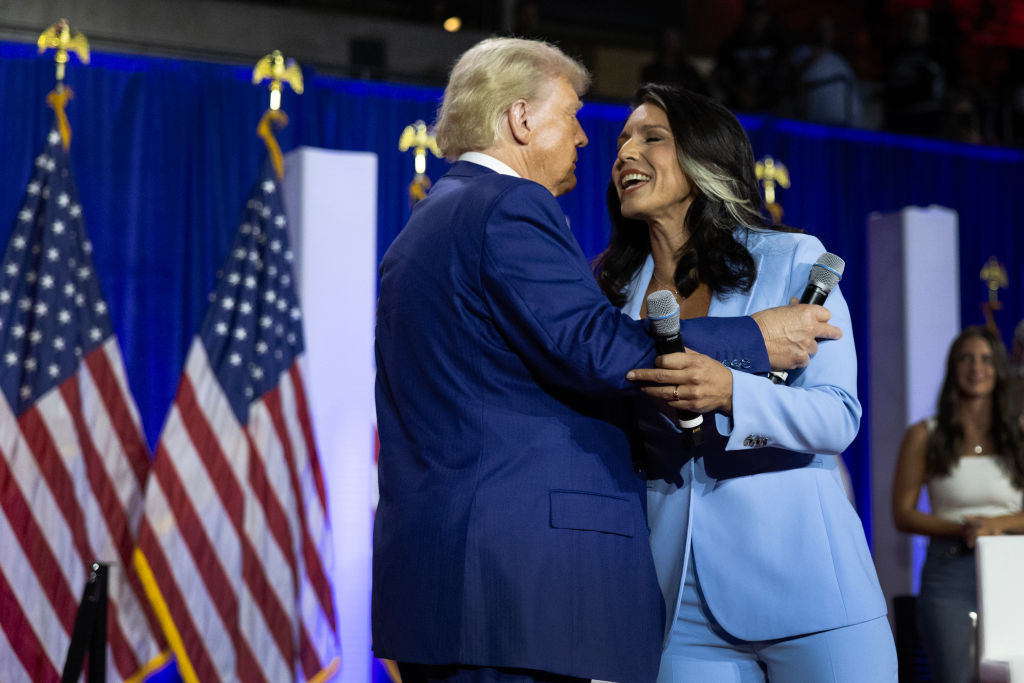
(585, 511)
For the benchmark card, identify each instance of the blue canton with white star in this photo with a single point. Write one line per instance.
(52, 312)
(253, 330)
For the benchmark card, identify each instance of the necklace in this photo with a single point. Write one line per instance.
(663, 285)
(978, 449)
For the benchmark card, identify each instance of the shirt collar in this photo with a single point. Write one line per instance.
(488, 161)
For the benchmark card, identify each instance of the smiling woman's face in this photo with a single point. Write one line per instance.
(650, 183)
(975, 368)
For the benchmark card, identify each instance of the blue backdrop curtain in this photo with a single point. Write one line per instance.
(165, 152)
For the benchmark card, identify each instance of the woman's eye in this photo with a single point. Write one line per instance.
(653, 138)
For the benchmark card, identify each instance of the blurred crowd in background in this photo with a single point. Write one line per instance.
(943, 68)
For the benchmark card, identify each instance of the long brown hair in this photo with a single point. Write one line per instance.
(946, 442)
(715, 154)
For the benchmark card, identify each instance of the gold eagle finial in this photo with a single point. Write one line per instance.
(418, 138)
(994, 275)
(61, 38)
(275, 68)
(771, 173)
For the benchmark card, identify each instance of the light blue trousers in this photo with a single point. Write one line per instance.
(699, 650)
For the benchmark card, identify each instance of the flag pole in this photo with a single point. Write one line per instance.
(61, 38)
(52, 299)
(278, 71)
(240, 557)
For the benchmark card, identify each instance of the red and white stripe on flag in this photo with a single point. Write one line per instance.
(71, 480)
(74, 462)
(234, 548)
(234, 532)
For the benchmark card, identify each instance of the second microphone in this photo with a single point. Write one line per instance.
(663, 312)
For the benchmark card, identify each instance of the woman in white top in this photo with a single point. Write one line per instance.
(970, 456)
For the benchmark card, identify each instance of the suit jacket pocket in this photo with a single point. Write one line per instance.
(585, 511)
(732, 464)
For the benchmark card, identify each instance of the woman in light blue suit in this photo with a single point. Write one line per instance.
(761, 558)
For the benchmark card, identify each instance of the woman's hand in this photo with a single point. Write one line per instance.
(978, 526)
(688, 381)
(989, 526)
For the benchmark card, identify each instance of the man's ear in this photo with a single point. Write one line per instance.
(519, 123)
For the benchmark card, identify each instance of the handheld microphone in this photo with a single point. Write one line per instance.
(663, 312)
(826, 273)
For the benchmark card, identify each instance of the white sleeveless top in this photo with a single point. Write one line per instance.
(976, 486)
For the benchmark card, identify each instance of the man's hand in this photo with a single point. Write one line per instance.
(791, 333)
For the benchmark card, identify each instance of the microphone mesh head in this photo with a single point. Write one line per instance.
(827, 272)
(663, 312)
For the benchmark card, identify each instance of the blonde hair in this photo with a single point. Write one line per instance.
(488, 79)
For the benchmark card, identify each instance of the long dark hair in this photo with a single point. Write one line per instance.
(946, 441)
(715, 155)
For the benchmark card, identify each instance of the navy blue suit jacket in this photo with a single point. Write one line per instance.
(511, 528)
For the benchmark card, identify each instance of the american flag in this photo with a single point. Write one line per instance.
(74, 459)
(235, 546)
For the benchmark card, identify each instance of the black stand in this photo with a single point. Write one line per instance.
(90, 630)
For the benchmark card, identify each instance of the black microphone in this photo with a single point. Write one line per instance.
(826, 273)
(663, 312)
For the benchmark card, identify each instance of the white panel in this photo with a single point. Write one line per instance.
(914, 304)
(1000, 598)
(331, 199)
(931, 260)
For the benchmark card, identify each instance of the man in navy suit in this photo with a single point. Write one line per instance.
(510, 541)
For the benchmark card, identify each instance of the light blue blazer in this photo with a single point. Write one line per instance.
(762, 511)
